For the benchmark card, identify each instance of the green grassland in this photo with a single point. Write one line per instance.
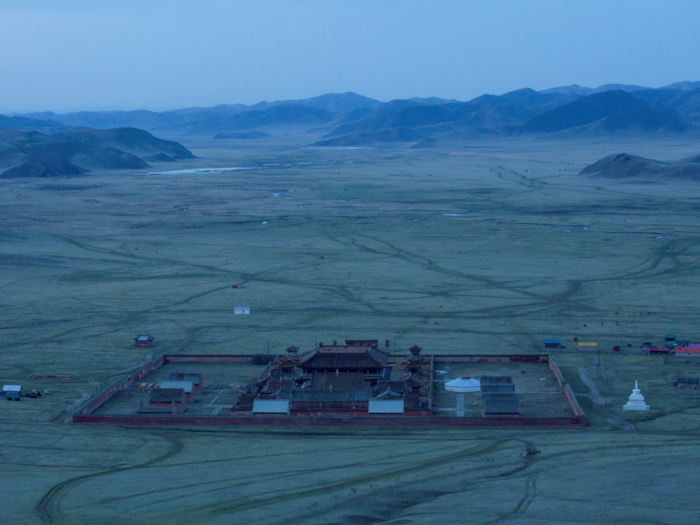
(483, 249)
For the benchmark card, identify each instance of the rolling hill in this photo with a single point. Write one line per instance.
(282, 116)
(75, 152)
(130, 140)
(582, 111)
(626, 166)
(610, 113)
(31, 124)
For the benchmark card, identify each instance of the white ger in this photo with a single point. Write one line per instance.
(463, 384)
(636, 401)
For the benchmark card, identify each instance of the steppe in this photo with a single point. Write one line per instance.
(483, 248)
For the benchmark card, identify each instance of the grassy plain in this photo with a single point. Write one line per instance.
(483, 249)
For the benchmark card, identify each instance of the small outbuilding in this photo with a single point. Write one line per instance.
(500, 404)
(186, 386)
(241, 310)
(271, 406)
(670, 339)
(12, 392)
(686, 382)
(498, 388)
(655, 351)
(691, 350)
(144, 340)
(386, 406)
(463, 384)
(195, 377)
(587, 346)
(166, 397)
(552, 344)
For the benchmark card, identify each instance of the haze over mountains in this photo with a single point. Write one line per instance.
(349, 119)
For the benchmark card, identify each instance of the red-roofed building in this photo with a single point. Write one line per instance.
(691, 350)
(655, 351)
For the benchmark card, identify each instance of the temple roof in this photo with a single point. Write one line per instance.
(344, 357)
(332, 380)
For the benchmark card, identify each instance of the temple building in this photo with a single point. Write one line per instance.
(352, 379)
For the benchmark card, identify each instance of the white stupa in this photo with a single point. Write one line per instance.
(636, 401)
(463, 384)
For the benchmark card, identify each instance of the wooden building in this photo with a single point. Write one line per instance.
(690, 350)
(143, 340)
(553, 344)
(195, 378)
(650, 350)
(167, 397)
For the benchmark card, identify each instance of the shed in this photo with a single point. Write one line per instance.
(552, 343)
(498, 388)
(496, 379)
(195, 377)
(670, 339)
(271, 406)
(241, 310)
(587, 346)
(386, 406)
(12, 392)
(501, 404)
(165, 397)
(686, 382)
(143, 340)
(463, 384)
(187, 386)
(655, 351)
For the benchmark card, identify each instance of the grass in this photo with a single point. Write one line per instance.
(86, 270)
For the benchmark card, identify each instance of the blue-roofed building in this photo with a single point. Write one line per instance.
(552, 343)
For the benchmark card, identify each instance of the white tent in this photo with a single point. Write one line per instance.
(463, 384)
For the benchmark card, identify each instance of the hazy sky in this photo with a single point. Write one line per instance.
(66, 55)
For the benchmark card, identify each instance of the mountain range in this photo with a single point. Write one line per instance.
(348, 119)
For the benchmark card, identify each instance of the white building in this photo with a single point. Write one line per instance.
(463, 384)
(241, 310)
(636, 401)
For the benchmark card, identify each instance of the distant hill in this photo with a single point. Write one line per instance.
(30, 124)
(75, 152)
(581, 91)
(218, 118)
(130, 140)
(626, 166)
(242, 135)
(683, 86)
(432, 101)
(686, 102)
(417, 122)
(583, 111)
(286, 115)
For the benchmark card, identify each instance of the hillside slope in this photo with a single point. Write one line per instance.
(130, 140)
(31, 124)
(626, 166)
(75, 152)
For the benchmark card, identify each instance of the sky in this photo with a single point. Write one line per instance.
(164, 54)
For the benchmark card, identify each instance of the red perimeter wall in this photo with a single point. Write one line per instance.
(284, 420)
(84, 415)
